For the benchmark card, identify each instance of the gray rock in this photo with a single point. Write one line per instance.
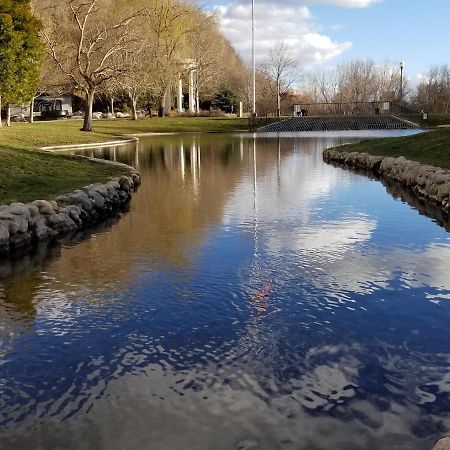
(44, 206)
(40, 229)
(23, 223)
(125, 183)
(97, 199)
(443, 444)
(20, 240)
(4, 236)
(61, 222)
(33, 210)
(19, 209)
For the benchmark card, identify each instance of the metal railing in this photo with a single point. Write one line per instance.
(343, 108)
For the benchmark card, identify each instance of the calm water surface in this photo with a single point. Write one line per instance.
(252, 298)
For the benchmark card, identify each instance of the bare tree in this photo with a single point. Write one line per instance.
(357, 81)
(87, 40)
(280, 69)
(433, 92)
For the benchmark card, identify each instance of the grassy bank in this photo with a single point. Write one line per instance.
(434, 120)
(27, 174)
(428, 148)
(30, 175)
(41, 134)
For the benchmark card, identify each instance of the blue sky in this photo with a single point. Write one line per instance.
(325, 32)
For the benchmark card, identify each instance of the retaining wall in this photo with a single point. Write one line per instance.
(22, 225)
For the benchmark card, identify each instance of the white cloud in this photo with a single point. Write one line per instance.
(289, 21)
(348, 3)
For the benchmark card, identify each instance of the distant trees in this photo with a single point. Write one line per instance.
(357, 81)
(433, 92)
(21, 52)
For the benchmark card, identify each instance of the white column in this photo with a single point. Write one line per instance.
(191, 91)
(180, 95)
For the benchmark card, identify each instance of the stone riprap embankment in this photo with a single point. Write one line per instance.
(427, 182)
(21, 224)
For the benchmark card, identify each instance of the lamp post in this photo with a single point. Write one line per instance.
(402, 65)
(253, 60)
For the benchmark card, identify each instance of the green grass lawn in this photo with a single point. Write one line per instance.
(28, 174)
(42, 134)
(429, 148)
(434, 120)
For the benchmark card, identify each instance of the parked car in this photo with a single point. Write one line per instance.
(55, 114)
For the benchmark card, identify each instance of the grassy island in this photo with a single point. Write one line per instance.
(28, 174)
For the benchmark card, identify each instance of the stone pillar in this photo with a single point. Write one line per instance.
(241, 110)
(191, 92)
(180, 95)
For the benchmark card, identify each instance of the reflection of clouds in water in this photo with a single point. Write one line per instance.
(290, 194)
(332, 252)
(429, 268)
(328, 241)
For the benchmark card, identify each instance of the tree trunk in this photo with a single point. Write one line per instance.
(162, 106)
(8, 114)
(112, 105)
(31, 120)
(87, 124)
(197, 101)
(1, 124)
(278, 99)
(134, 108)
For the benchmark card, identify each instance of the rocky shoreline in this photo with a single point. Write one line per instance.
(428, 183)
(24, 225)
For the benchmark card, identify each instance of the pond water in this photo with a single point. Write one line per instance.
(252, 298)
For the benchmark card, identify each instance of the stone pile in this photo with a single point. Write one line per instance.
(427, 182)
(22, 224)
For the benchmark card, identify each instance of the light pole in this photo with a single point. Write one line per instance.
(253, 59)
(402, 65)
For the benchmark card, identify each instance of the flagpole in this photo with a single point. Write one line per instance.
(253, 59)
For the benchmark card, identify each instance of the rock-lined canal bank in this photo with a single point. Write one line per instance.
(23, 225)
(429, 183)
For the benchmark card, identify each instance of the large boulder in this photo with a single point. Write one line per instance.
(44, 206)
(61, 222)
(443, 444)
(19, 209)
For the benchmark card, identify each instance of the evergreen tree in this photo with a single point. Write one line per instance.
(225, 100)
(21, 52)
